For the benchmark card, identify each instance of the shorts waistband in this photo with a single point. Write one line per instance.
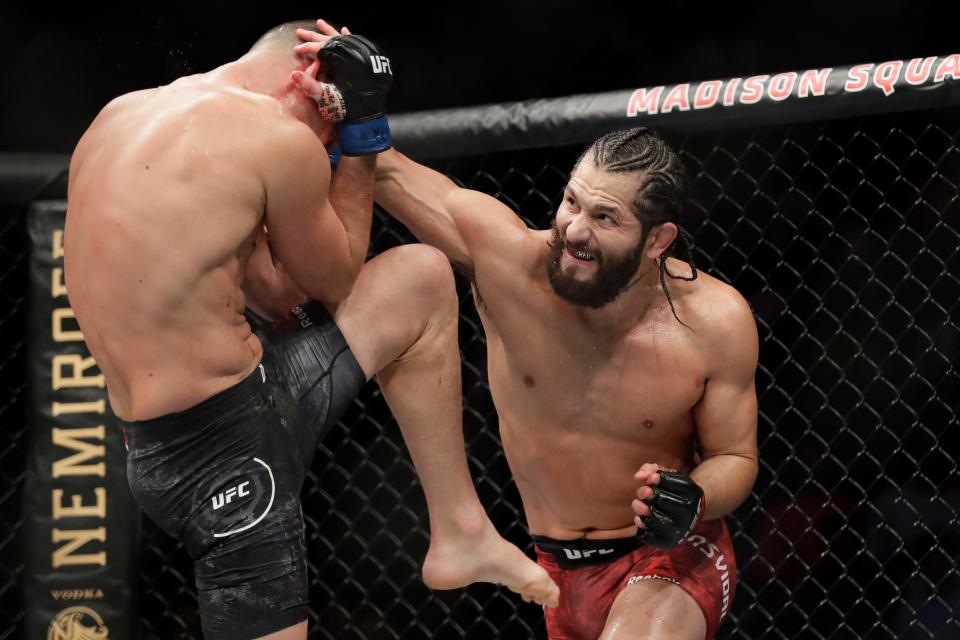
(570, 554)
(173, 425)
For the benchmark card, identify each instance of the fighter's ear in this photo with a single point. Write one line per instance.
(660, 238)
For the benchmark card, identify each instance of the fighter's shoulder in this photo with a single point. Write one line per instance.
(490, 223)
(239, 105)
(128, 99)
(115, 110)
(728, 316)
(258, 123)
(117, 107)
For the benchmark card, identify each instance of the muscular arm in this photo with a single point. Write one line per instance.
(269, 290)
(318, 230)
(460, 222)
(726, 416)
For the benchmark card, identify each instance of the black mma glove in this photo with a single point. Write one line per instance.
(675, 508)
(361, 72)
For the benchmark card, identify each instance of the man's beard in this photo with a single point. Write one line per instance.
(610, 280)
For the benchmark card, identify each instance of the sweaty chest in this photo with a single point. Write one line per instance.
(645, 383)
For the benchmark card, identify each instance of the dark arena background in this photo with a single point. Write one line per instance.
(822, 143)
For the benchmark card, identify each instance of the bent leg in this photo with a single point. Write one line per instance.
(401, 322)
(296, 632)
(655, 610)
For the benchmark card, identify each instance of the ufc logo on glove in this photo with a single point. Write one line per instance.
(380, 64)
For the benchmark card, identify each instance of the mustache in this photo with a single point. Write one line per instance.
(579, 246)
(559, 243)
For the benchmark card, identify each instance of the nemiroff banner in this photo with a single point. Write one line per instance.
(80, 522)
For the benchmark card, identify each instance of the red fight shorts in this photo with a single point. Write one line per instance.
(592, 573)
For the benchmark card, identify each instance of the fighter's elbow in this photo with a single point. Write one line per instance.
(332, 290)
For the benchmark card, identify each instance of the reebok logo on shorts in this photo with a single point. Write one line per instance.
(652, 576)
(302, 316)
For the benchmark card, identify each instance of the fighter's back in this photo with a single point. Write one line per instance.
(164, 202)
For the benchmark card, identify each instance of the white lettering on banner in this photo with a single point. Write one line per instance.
(781, 86)
(813, 82)
(950, 65)
(729, 95)
(858, 77)
(645, 101)
(678, 98)
(884, 76)
(707, 94)
(918, 70)
(752, 89)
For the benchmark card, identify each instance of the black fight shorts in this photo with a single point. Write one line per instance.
(224, 477)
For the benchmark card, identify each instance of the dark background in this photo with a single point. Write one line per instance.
(60, 65)
(843, 235)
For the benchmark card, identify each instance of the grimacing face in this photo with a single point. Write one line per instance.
(598, 243)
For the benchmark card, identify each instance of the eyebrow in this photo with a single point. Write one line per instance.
(605, 208)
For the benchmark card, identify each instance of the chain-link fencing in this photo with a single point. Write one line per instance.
(844, 238)
(842, 235)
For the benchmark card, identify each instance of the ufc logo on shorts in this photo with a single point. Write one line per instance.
(380, 64)
(576, 554)
(227, 496)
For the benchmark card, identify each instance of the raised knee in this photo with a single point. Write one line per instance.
(430, 272)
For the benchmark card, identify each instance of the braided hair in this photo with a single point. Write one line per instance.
(661, 194)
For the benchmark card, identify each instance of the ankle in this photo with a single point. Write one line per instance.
(460, 523)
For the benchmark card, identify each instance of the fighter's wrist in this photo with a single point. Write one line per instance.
(365, 137)
(675, 508)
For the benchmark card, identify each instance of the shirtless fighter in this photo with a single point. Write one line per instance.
(169, 192)
(600, 388)
(605, 377)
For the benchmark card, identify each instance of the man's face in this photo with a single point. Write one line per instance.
(597, 243)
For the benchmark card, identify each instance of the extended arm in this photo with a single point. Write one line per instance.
(455, 220)
(438, 212)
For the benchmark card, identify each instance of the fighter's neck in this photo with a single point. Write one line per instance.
(642, 295)
(249, 75)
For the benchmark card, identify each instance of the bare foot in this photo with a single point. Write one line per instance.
(457, 561)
